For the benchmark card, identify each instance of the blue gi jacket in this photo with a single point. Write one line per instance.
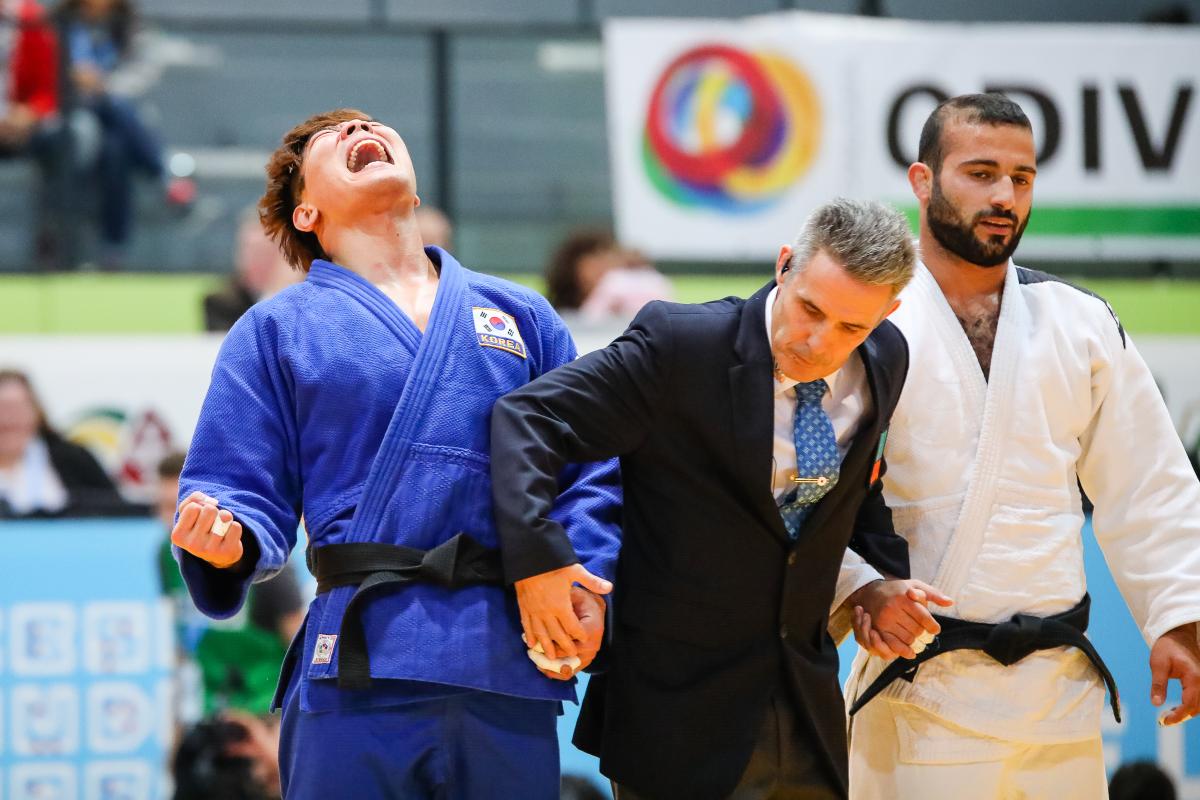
(307, 387)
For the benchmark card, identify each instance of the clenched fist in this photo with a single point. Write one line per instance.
(198, 531)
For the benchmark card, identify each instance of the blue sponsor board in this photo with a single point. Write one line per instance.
(86, 662)
(87, 658)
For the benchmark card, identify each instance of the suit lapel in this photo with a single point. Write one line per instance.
(865, 441)
(753, 410)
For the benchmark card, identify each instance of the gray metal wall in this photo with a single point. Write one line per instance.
(524, 158)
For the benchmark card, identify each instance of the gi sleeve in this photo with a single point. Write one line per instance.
(600, 406)
(244, 454)
(876, 552)
(1147, 499)
(589, 501)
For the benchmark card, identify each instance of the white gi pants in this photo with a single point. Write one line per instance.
(899, 751)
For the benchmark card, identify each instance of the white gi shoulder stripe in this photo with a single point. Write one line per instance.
(1031, 276)
(496, 329)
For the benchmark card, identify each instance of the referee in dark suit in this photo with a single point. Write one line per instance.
(750, 434)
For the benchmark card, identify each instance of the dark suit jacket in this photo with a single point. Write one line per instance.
(715, 608)
(90, 491)
(225, 306)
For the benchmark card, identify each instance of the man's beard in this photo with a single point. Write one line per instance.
(960, 238)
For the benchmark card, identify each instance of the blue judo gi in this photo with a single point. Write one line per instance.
(327, 401)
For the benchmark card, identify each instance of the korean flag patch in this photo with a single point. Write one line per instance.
(497, 329)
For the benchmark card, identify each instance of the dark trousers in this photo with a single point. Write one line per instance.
(782, 766)
(127, 146)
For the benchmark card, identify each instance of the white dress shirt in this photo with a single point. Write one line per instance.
(847, 402)
(31, 484)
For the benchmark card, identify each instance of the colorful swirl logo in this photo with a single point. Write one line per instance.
(730, 130)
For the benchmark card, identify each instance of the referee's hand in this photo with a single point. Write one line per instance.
(548, 615)
(198, 530)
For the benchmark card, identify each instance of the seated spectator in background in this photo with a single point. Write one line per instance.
(30, 122)
(239, 659)
(30, 111)
(98, 35)
(259, 271)
(41, 473)
(591, 274)
(435, 227)
(624, 289)
(577, 265)
(1141, 780)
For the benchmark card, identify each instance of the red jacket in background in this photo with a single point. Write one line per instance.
(33, 68)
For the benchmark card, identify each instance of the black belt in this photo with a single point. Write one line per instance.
(1007, 642)
(456, 562)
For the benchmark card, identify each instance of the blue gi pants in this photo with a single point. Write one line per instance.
(467, 746)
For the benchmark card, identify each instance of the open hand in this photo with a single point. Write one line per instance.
(1176, 656)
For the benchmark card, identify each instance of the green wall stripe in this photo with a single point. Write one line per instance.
(1049, 220)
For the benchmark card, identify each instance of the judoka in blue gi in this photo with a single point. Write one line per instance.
(361, 399)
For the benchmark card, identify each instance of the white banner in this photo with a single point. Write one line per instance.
(724, 134)
(102, 390)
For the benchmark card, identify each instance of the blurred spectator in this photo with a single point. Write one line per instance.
(98, 36)
(577, 265)
(231, 757)
(239, 659)
(259, 271)
(592, 274)
(435, 227)
(577, 787)
(1141, 780)
(624, 289)
(31, 100)
(41, 473)
(1169, 14)
(30, 124)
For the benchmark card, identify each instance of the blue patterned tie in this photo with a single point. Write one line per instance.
(818, 461)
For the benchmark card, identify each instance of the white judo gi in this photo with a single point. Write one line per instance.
(982, 483)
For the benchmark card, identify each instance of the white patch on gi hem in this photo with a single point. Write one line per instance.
(496, 329)
(323, 653)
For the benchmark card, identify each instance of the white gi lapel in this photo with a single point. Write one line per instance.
(997, 411)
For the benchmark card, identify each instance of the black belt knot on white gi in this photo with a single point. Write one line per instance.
(1011, 641)
(459, 561)
(1007, 642)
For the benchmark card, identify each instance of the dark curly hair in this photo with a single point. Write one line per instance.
(562, 272)
(285, 183)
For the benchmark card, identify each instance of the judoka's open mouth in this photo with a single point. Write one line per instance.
(366, 151)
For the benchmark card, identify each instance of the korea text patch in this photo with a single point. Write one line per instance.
(497, 329)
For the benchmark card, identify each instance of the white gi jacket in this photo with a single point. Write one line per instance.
(981, 480)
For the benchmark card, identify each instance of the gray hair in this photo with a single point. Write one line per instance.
(870, 240)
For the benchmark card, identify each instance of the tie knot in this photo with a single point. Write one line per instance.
(812, 391)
